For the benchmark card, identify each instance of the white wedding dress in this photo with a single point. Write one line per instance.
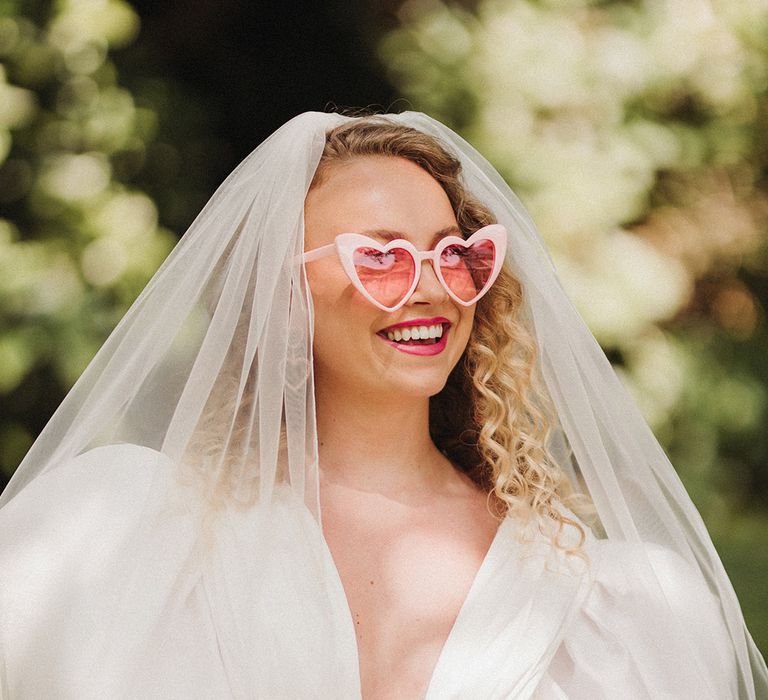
(108, 591)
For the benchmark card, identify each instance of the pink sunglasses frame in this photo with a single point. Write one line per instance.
(345, 244)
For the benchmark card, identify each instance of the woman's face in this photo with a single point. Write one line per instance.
(384, 198)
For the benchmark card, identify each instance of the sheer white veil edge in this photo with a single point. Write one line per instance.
(229, 304)
(212, 368)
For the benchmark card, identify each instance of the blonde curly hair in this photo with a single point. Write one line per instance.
(493, 417)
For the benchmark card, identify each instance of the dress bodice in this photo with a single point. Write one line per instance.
(106, 590)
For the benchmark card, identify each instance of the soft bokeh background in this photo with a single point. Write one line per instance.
(635, 132)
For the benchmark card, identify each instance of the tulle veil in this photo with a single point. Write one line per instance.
(199, 409)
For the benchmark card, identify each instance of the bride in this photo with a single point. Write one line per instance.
(353, 441)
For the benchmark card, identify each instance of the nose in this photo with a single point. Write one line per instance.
(429, 290)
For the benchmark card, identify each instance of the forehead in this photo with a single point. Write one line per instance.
(383, 197)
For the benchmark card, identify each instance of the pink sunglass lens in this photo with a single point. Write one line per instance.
(386, 275)
(467, 269)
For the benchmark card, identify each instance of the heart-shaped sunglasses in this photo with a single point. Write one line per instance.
(388, 274)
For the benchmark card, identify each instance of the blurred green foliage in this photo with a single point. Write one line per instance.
(77, 240)
(636, 135)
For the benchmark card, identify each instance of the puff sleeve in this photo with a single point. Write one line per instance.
(649, 628)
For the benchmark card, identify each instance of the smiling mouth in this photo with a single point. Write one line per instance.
(416, 335)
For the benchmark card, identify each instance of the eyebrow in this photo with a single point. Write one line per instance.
(389, 235)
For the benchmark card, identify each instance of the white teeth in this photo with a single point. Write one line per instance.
(416, 333)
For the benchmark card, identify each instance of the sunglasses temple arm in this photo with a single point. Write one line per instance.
(318, 253)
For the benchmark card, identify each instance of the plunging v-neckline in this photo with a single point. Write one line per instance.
(480, 574)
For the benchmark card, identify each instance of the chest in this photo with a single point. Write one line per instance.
(405, 579)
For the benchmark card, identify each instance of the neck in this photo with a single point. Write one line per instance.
(380, 444)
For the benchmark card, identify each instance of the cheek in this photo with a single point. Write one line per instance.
(328, 288)
(467, 316)
(337, 310)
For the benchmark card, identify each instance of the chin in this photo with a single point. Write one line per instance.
(420, 386)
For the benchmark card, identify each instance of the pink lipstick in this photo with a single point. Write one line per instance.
(418, 322)
(418, 346)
